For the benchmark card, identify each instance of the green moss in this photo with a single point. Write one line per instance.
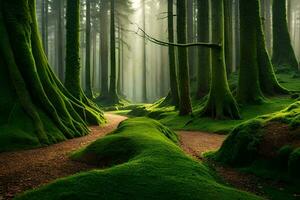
(144, 163)
(242, 147)
(294, 163)
(283, 156)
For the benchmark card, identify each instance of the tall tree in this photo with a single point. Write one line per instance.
(249, 69)
(185, 105)
(35, 95)
(256, 66)
(113, 68)
(45, 7)
(173, 96)
(283, 53)
(104, 48)
(60, 6)
(144, 92)
(228, 7)
(191, 38)
(204, 54)
(88, 81)
(220, 103)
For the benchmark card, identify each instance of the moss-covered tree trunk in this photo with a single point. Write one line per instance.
(283, 53)
(113, 67)
(204, 54)
(88, 82)
(249, 86)
(33, 96)
(256, 67)
(185, 105)
(220, 103)
(173, 96)
(72, 79)
(267, 78)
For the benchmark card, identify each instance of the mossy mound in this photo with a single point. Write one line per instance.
(144, 162)
(273, 139)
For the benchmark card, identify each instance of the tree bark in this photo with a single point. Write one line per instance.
(256, 66)
(88, 82)
(35, 89)
(220, 103)
(204, 54)
(185, 105)
(104, 48)
(113, 68)
(283, 52)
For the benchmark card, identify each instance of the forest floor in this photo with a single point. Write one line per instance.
(25, 170)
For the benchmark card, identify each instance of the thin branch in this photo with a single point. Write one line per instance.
(140, 32)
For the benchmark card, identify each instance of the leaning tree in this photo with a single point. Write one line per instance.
(33, 99)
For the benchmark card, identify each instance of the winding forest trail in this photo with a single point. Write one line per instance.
(24, 170)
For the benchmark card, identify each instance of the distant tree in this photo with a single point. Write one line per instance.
(283, 53)
(185, 105)
(220, 103)
(34, 93)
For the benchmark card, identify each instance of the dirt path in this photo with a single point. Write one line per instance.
(23, 170)
(195, 143)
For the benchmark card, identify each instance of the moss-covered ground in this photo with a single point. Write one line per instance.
(168, 115)
(269, 147)
(143, 161)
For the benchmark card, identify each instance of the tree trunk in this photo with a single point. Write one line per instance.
(35, 95)
(220, 103)
(104, 48)
(113, 68)
(268, 81)
(185, 105)
(256, 66)
(144, 88)
(283, 53)
(191, 39)
(249, 69)
(88, 82)
(60, 39)
(45, 5)
(173, 97)
(204, 54)
(228, 35)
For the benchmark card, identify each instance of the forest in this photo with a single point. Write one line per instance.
(149, 99)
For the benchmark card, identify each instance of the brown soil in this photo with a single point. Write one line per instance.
(23, 170)
(276, 136)
(196, 143)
